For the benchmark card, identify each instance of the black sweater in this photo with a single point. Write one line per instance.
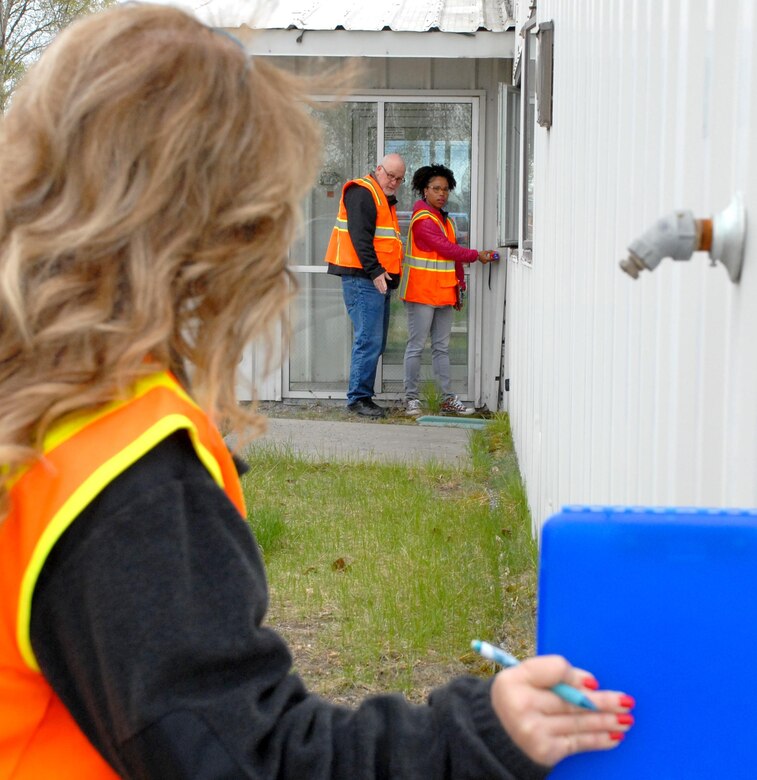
(148, 622)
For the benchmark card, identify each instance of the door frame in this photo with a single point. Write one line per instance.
(477, 99)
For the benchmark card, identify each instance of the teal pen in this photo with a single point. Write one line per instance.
(563, 690)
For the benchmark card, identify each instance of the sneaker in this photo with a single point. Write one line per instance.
(454, 405)
(413, 407)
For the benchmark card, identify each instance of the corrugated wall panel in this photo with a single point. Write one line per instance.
(640, 391)
(400, 73)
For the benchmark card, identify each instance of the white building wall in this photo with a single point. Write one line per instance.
(623, 391)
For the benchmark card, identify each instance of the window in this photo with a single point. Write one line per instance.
(544, 75)
(517, 123)
(509, 164)
(528, 92)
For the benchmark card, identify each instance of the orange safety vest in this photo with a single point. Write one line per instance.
(387, 240)
(82, 455)
(426, 276)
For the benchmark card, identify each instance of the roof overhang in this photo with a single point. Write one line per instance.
(483, 44)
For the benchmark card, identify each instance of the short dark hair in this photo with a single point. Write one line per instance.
(423, 176)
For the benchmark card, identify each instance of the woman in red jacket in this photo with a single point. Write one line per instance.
(432, 282)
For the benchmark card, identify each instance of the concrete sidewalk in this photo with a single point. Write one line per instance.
(321, 439)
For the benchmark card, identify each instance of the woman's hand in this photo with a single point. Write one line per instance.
(487, 256)
(546, 728)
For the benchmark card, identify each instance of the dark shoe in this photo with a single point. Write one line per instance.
(366, 408)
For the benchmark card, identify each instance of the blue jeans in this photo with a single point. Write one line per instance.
(369, 312)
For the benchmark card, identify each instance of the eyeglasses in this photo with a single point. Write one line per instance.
(445, 190)
(391, 176)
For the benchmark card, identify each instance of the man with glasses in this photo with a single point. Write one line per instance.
(365, 250)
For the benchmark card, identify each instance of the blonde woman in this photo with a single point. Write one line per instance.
(150, 176)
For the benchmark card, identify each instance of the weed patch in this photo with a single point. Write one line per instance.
(381, 574)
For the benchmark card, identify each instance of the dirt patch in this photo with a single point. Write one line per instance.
(327, 409)
(323, 670)
(323, 673)
(336, 410)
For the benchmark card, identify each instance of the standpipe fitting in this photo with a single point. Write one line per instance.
(679, 234)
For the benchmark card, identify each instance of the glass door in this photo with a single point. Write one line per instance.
(425, 133)
(356, 135)
(321, 338)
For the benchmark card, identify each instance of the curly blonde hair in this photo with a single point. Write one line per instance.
(151, 176)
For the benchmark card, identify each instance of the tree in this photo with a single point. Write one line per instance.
(26, 27)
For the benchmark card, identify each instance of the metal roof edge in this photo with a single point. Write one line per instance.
(379, 43)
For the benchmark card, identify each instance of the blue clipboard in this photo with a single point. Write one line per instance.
(662, 604)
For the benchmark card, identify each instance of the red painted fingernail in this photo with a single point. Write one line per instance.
(616, 736)
(590, 683)
(627, 701)
(625, 719)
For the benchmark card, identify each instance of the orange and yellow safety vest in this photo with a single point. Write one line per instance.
(81, 456)
(426, 276)
(387, 240)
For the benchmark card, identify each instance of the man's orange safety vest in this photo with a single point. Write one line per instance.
(83, 454)
(387, 240)
(426, 276)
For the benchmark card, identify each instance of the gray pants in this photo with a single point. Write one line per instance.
(423, 320)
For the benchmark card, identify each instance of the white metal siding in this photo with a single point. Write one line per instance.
(638, 392)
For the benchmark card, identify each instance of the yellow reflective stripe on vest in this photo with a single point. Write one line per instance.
(382, 231)
(386, 232)
(430, 264)
(427, 215)
(68, 428)
(369, 184)
(80, 498)
(102, 476)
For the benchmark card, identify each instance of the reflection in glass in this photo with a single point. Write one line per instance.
(319, 352)
(427, 133)
(349, 151)
(509, 173)
(530, 122)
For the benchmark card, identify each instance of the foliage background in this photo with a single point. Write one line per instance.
(26, 28)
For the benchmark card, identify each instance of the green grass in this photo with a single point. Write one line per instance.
(397, 564)
(431, 397)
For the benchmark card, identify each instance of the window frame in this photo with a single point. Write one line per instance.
(508, 207)
(528, 125)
